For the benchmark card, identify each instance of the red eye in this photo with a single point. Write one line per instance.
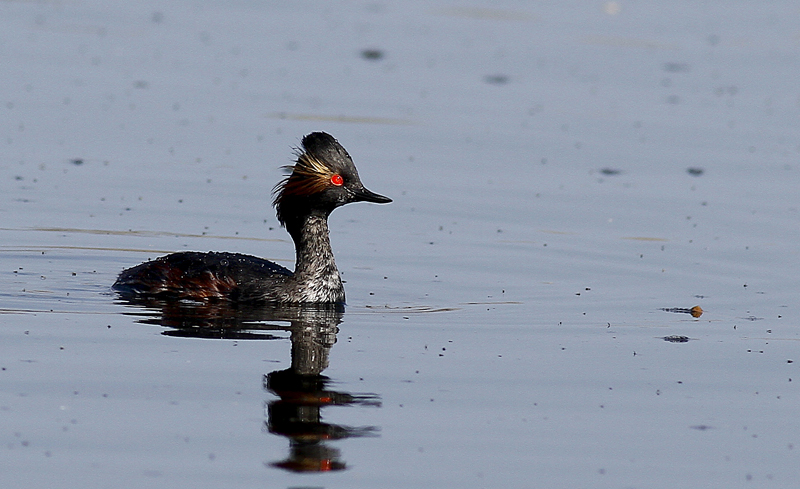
(337, 180)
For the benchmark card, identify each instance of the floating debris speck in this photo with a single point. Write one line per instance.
(695, 311)
(496, 79)
(372, 54)
(674, 67)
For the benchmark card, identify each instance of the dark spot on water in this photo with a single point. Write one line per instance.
(702, 427)
(372, 54)
(676, 338)
(496, 79)
(726, 90)
(610, 171)
(76, 161)
(141, 84)
(674, 67)
(694, 171)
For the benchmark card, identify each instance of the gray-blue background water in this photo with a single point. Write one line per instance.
(561, 173)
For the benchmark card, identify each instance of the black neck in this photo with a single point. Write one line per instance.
(315, 273)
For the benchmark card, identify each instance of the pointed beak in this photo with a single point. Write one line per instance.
(364, 195)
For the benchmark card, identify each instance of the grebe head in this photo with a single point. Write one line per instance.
(323, 178)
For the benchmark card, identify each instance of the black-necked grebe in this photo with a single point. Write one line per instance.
(322, 179)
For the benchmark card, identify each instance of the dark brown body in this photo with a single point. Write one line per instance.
(230, 276)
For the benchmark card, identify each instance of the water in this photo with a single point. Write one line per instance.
(562, 174)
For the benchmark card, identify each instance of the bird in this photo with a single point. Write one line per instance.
(322, 178)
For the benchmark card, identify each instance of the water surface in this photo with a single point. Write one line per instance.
(568, 182)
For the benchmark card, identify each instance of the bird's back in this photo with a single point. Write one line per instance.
(195, 275)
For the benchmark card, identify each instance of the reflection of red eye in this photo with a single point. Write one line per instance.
(337, 180)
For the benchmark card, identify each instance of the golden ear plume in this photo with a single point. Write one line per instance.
(307, 177)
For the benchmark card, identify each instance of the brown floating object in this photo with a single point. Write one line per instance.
(696, 311)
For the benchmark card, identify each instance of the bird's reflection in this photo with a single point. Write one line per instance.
(302, 391)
